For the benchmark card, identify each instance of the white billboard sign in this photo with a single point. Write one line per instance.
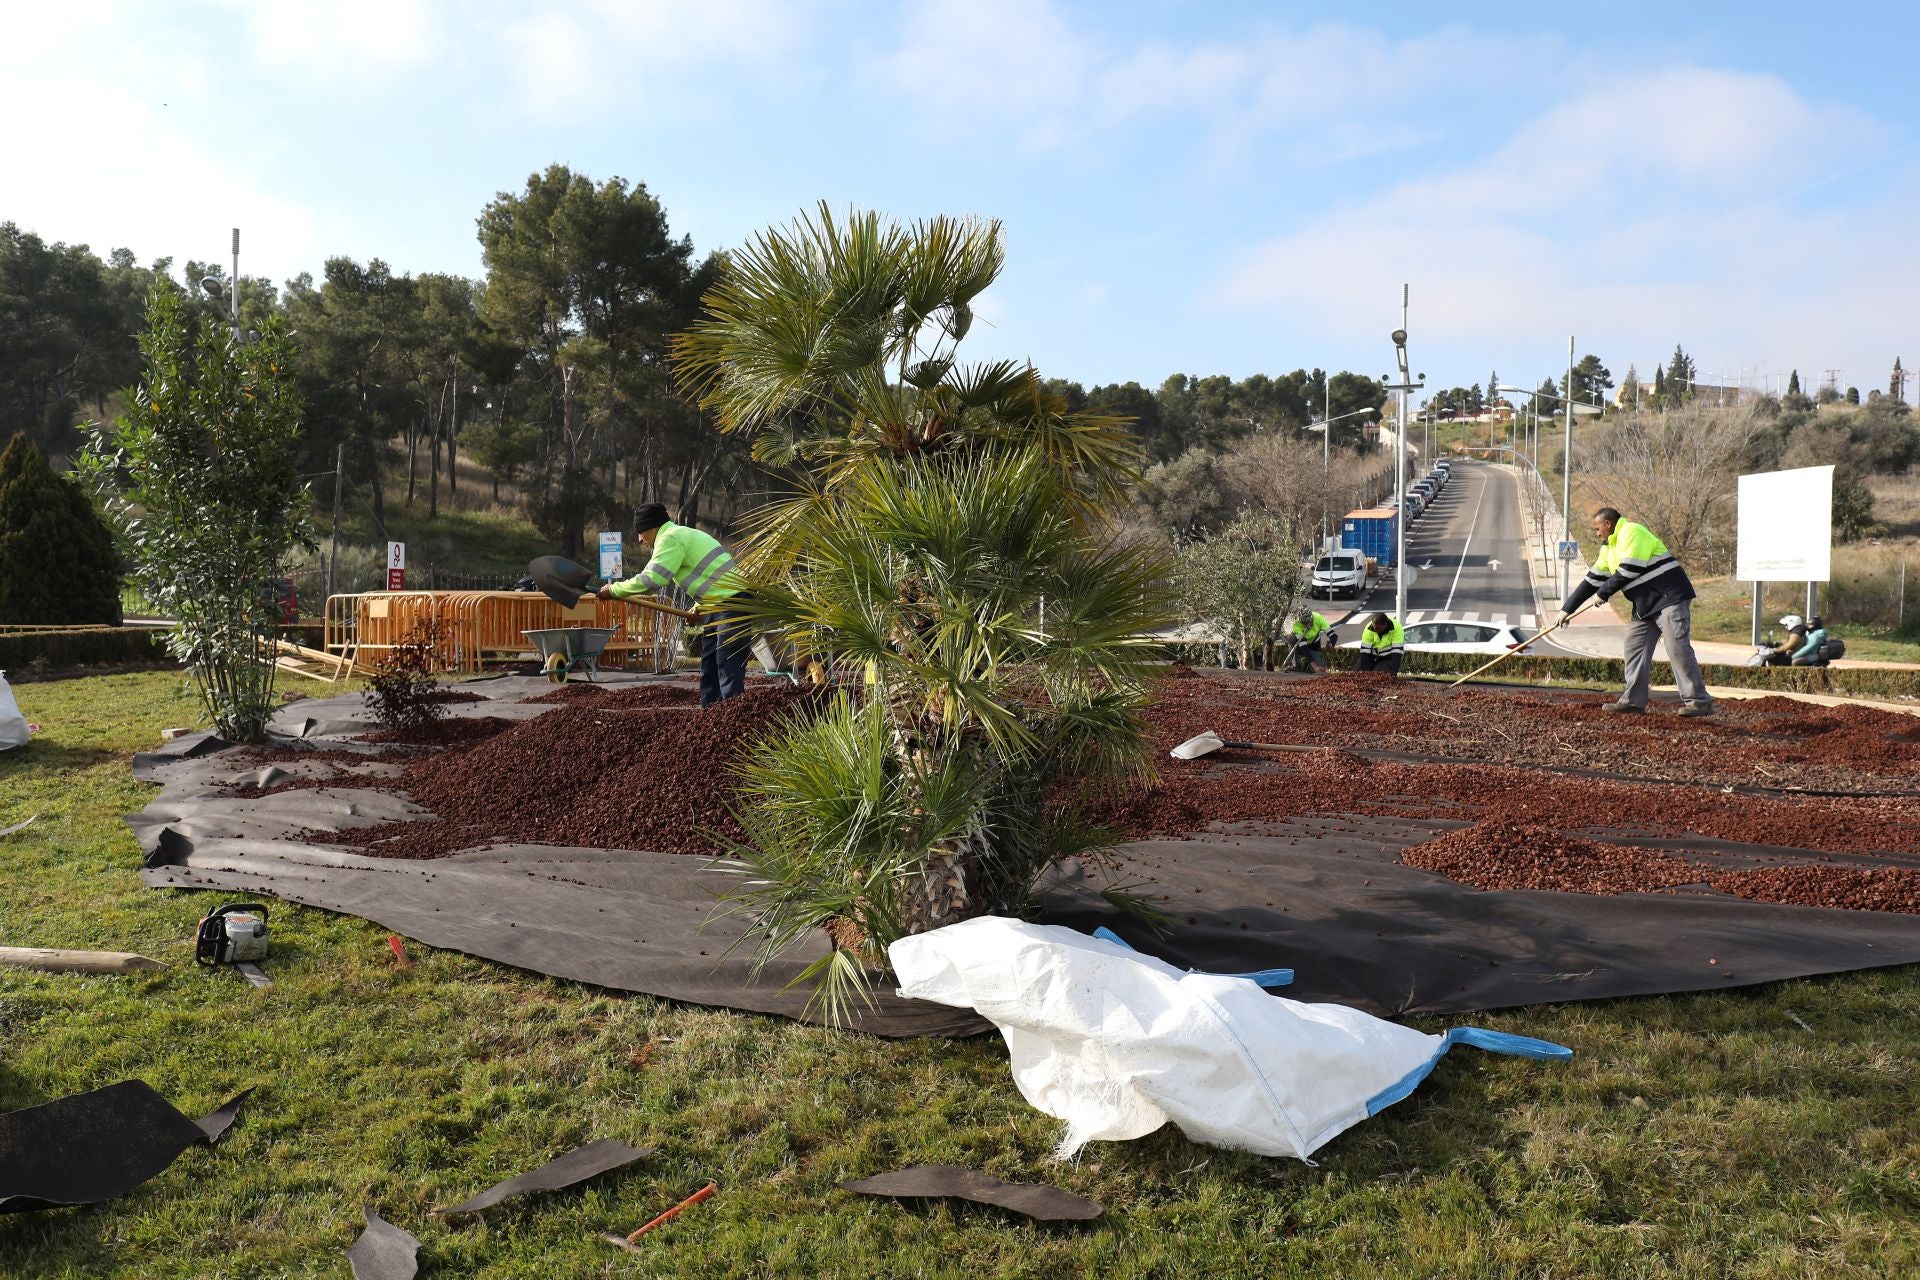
(1786, 526)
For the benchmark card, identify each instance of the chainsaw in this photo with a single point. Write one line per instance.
(235, 933)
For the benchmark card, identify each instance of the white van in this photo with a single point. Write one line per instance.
(1341, 572)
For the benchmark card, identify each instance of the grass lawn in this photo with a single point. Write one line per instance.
(1710, 1135)
(1723, 611)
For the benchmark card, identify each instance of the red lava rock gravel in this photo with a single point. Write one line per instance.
(1525, 855)
(641, 767)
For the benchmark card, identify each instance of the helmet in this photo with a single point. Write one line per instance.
(1792, 620)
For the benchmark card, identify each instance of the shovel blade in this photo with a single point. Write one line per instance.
(1194, 748)
(560, 579)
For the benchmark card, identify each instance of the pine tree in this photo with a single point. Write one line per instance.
(1680, 374)
(1897, 384)
(1659, 384)
(1793, 383)
(57, 559)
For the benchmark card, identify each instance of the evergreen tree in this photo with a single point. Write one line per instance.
(1897, 384)
(1630, 388)
(1680, 374)
(1793, 383)
(57, 559)
(1659, 384)
(1853, 395)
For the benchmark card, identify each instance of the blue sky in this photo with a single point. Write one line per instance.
(1201, 188)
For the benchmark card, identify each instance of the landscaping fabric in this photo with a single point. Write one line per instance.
(384, 1251)
(576, 1166)
(1509, 847)
(1035, 1200)
(93, 1146)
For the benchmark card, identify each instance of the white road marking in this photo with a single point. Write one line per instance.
(1463, 550)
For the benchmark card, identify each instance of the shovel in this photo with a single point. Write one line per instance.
(1517, 648)
(564, 582)
(1210, 742)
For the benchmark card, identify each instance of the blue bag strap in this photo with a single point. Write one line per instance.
(1479, 1038)
(1268, 978)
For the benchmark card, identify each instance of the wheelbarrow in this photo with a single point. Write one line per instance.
(565, 650)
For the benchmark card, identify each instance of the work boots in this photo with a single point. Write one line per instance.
(1625, 709)
(1697, 709)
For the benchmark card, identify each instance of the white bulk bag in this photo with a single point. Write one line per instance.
(1117, 1043)
(13, 725)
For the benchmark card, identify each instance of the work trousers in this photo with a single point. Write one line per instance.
(1307, 657)
(1389, 664)
(726, 637)
(1675, 622)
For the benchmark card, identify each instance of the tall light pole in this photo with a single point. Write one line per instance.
(1403, 386)
(236, 286)
(1566, 481)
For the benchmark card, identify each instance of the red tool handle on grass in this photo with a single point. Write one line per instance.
(674, 1212)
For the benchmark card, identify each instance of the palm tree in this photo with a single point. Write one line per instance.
(945, 542)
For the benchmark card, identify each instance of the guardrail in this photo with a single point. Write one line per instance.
(472, 630)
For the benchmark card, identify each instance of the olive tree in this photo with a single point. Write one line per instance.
(201, 476)
(1245, 579)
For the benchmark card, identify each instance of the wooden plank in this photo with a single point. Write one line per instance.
(60, 961)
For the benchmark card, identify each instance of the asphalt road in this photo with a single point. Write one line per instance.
(1467, 556)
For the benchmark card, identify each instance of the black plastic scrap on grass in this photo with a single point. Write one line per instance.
(384, 1251)
(564, 1171)
(94, 1146)
(925, 1181)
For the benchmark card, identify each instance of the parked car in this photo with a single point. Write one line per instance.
(1445, 635)
(1344, 572)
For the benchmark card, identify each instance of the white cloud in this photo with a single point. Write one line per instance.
(1018, 67)
(108, 169)
(563, 57)
(327, 40)
(1651, 210)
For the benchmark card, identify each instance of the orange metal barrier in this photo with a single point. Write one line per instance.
(477, 628)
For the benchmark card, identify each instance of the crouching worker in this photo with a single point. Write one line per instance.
(1381, 645)
(1306, 639)
(696, 563)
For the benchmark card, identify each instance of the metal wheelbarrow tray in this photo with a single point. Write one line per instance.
(577, 648)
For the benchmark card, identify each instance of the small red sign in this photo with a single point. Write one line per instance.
(396, 579)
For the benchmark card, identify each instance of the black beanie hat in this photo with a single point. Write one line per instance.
(651, 516)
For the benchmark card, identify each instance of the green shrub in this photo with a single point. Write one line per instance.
(81, 647)
(58, 564)
(1853, 682)
(202, 476)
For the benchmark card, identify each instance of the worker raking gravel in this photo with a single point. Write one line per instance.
(1632, 560)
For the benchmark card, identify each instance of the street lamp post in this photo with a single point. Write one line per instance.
(1405, 385)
